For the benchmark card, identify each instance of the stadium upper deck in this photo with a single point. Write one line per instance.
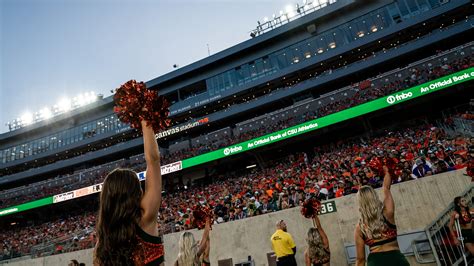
(212, 91)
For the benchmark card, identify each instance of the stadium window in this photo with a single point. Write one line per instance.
(413, 6)
(321, 46)
(239, 76)
(384, 18)
(60, 140)
(394, 13)
(289, 55)
(403, 9)
(46, 143)
(424, 6)
(232, 78)
(28, 150)
(210, 85)
(266, 65)
(377, 21)
(274, 62)
(245, 73)
(331, 42)
(68, 136)
(6, 155)
(353, 30)
(434, 3)
(362, 28)
(227, 82)
(253, 70)
(338, 36)
(220, 82)
(282, 62)
(35, 147)
(213, 85)
(102, 127)
(259, 67)
(312, 46)
(297, 53)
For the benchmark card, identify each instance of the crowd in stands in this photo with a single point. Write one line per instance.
(65, 234)
(419, 75)
(370, 91)
(334, 170)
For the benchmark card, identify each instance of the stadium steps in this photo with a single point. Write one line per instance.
(67, 242)
(439, 238)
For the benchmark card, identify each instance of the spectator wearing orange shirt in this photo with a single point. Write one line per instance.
(340, 189)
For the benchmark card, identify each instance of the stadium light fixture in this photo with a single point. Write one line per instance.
(46, 113)
(87, 98)
(320, 50)
(307, 55)
(373, 28)
(360, 34)
(290, 12)
(64, 105)
(91, 97)
(80, 100)
(332, 45)
(27, 118)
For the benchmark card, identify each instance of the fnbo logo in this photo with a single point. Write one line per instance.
(391, 99)
(398, 97)
(230, 150)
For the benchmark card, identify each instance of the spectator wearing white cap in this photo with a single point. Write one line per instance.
(421, 169)
(317, 193)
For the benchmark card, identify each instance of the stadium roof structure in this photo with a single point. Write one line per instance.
(262, 39)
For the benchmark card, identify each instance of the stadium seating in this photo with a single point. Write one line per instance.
(336, 170)
(441, 64)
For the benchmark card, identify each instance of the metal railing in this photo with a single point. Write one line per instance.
(444, 250)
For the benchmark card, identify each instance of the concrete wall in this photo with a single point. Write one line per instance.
(418, 203)
(84, 256)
